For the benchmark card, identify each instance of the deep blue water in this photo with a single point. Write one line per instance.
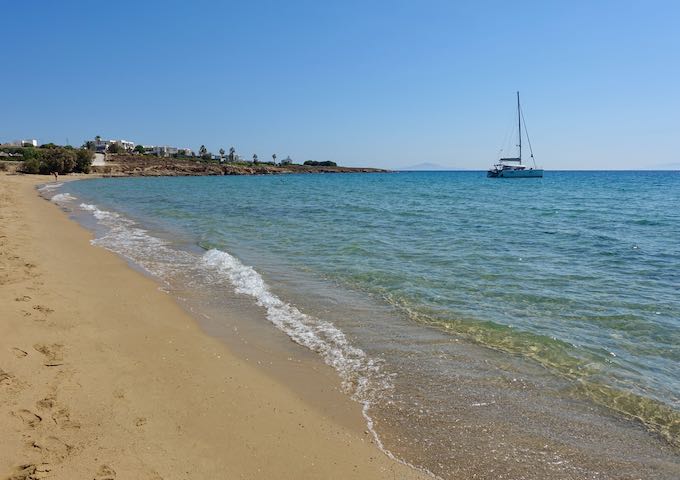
(578, 271)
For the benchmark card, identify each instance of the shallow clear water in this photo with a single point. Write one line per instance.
(577, 273)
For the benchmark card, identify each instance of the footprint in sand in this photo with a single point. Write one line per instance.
(29, 269)
(31, 472)
(46, 403)
(53, 446)
(23, 298)
(29, 418)
(43, 309)
(5, 378)
(52, 352)
(60, 415)
(105, 473)
(19, 353)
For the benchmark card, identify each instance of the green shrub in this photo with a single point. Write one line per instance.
(115, 148)
(12, 150)
(30, 152)
(56, 159)
(32, 165)
(314, 163)
(83, 160)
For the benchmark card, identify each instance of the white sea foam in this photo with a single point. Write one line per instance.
(50, 186)
(361, 376)
(124, 237)
(62, 198)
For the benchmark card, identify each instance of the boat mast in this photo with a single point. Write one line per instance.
(519, 124)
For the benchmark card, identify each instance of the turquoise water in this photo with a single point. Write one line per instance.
(578, 272)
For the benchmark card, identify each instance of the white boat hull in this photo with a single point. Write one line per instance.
(524, 173)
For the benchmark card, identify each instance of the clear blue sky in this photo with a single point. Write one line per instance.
(383, 83)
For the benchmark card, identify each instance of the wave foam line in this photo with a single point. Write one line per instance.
(49, 186)
(123, 237)
(63, 198)
(361, 375)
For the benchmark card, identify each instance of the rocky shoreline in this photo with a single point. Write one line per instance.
(137, 165)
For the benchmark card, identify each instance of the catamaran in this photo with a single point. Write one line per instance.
(513, 167)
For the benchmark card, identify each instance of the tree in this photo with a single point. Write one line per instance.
(203, 153)
(114, 148)
(84, 159)
(89, 145)
(255, 158)
(232, 154)
(314, 163)
(274, 158)
(59, 159)
(139, 148)
(97, 138)
(221, 154)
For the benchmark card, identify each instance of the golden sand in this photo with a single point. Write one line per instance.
(103, 376)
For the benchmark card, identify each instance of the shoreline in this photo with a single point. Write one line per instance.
(146, 166)
(105, 375)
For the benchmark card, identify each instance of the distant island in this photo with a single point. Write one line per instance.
(125, 158)
(429, 167)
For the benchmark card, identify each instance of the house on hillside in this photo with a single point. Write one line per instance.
(32, 142)
(101, 145)
(161, 150)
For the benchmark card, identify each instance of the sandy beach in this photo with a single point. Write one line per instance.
(104, 376)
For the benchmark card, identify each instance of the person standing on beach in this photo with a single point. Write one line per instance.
(56, 176)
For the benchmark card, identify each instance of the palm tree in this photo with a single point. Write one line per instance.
(232, 154)
(255, 158)
(274, 158)
(221, 154)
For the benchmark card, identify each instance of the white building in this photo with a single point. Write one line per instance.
(126, 144)
(101, 145)
(24, 143)
(166, 150)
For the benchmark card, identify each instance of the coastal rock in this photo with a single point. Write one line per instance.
(138, 165)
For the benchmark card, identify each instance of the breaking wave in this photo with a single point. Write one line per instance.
(62, 198)
(49, 186)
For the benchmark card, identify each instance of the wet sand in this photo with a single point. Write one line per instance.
(104, 376)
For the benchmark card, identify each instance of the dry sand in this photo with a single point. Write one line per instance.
(103, 376)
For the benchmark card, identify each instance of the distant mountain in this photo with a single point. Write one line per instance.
(430, 166)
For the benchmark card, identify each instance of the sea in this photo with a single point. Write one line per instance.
(489, 328)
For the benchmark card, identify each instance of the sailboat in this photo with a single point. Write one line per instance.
(513, 167)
